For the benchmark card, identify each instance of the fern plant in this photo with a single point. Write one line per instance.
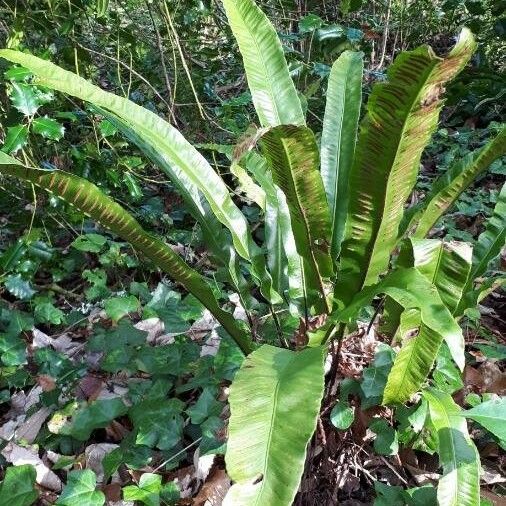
(337, 234)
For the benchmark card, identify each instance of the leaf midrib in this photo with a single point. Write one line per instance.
(271, 428)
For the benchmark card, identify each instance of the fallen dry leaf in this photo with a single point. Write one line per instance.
(18, 455)
(214, 489)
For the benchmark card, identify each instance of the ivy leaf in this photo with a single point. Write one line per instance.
(341, 415)
(15, 139)
(107, 128)
(117, 307)
(387, 495)
(12, 350)
(97, 414)
(206, 406)
(150, 490)
(158, 424)
(48, 128)
(17, 73)
(492, 415)
(24, 98)
(92, 243)
(375, 376)
(19, 287)
(18, 489)
(421, 496)
(80, 490)
(386, 442)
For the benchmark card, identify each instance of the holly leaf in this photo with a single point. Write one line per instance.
(12, 350)
(15, 139)
(48, 128)
(18, 488)
(107, 128)
(80, 490)
(24, 98)
(47, 312)
(19, 287)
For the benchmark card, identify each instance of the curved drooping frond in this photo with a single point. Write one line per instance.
(401, 116)
(460, 483)
(339, 135)
(412, 290)
(282, 258)
(447, 188)
(487, 248)
(274, 95)
(274, 403)
(87, 198)
(171, 145)
(492, 239)
(292, 154)
(197, 206)
(446, 266)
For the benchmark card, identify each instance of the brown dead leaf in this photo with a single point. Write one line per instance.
(116, 431)
(214, 489)
(112, 492)
(89, 387)
(495, 499)
(46, 382)
(494, 378)
(473, 379)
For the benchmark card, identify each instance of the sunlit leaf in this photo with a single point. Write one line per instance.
(460, 483)
(274, 401)
(18, 486)
(80, 490)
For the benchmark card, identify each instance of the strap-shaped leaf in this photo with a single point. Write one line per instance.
(474, 296)
(401, 115)
(447, 188)
(282, 258)
(274, 95)
(274, 402)
(292, 154)
(168, 141)
(412, 290)
(247, 186)
(86, 197)
(339, 135)
(446, 266)
(460, 483)
(491, 241)
(193, 198)
(488, 246)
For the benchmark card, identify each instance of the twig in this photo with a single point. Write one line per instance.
(159, 45)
